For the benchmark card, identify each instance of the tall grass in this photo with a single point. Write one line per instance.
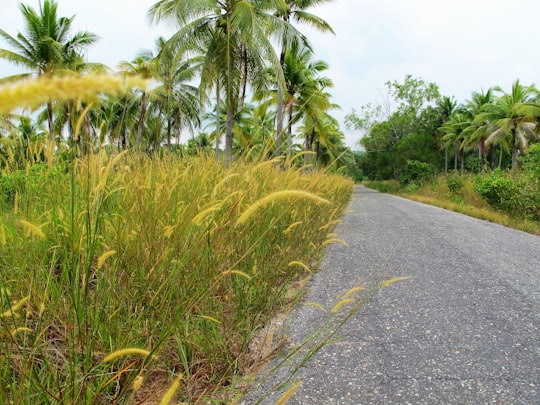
(118, 272)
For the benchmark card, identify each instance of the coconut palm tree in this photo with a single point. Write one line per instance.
(295, 10)
(143, 65)
(176, 98)
(478, 130)
(46, 46)
(453, 134)
(302, 79)
(506, 121)
(446, 106)
(317, 123)
(236, 40)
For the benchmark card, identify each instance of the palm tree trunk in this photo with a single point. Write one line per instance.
(514, 151)
(280, 109)
(482, 153)
(289, 132)
(140, 125)
(218, 134)
(455, 158)
(279, 121)
(245, 76)
(229, 135)
(50, 120)
(445, 159)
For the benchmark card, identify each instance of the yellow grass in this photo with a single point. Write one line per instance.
(33, 93)
(278, 195)
(126, 352)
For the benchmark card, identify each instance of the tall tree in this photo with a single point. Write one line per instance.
(143, 65)
(295, 10)
(506, 121)
(446, 107)
(453, 131)
(234, 34)
(46, 46)
(302, 82)
(477, 131)
(176, 97)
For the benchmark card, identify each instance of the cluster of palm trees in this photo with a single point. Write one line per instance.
(223, 55)
(493, 119)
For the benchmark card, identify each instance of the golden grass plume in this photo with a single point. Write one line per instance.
(278, 195)
(124, 352)
(33, 93)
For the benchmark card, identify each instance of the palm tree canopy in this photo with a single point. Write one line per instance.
(46, 44)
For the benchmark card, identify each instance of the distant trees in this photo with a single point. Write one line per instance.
(416, 123)
(403, 129)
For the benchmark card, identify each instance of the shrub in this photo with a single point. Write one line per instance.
(530, 163)
(416, 172)
(499, 191)
(455, 183)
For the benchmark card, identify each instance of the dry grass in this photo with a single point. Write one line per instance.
(152, 255)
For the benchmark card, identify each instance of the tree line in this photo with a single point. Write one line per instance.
(220, 77)
(415, 123)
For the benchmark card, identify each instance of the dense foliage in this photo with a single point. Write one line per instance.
(492, 129)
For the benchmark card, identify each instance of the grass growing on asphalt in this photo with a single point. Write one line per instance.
(117, 271)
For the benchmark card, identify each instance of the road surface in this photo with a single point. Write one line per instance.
(465, 329)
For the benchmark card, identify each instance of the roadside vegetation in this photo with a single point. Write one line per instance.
(154, 216)
(480, 157)
(177, 262)
(505, 197)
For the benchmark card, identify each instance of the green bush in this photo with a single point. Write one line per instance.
(530, 163)
(416, 172)
(411, 188)
(499, 191)
(455, 183)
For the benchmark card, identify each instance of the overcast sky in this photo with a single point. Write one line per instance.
(461, 45)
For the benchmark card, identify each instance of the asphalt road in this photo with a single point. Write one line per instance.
(465, 329)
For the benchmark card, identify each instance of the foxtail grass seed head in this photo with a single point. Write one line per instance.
(21, 329)
(278, 195)
(237, 272)
(352, 291)
(167, 398)
(218, 185)
(341, 303)
(393, 280)
(12, 312)
(316, 305)
(137, 383)
(201, 216)
(32, 229)
(33, 93)
(292, 226)
(3, 239)
(298, 263)
(289, 393)
(103, 257)
(126, 352)
(209, 318)
(333, 240)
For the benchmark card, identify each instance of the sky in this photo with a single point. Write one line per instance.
(461, 45)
